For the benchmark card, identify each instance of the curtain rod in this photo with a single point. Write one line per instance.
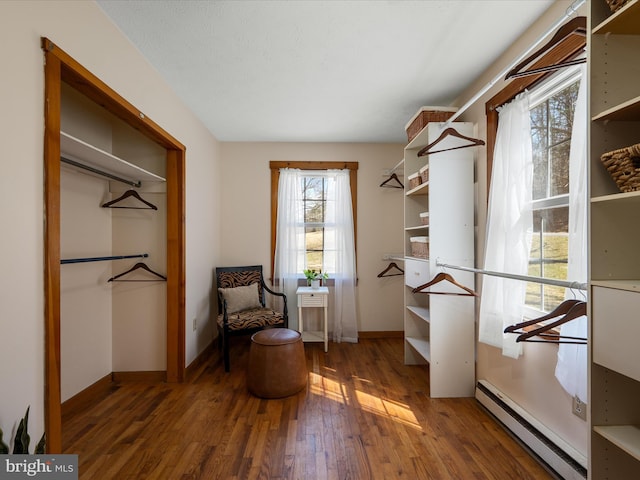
(573, 8)
(102, 259)
(524, 278)
(100, 172)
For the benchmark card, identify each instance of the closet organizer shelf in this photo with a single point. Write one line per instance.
(625, 437)
(83, 153)
(624, 21)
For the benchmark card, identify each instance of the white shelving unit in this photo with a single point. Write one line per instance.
(440, 329)
(614, 43)
(83, 153)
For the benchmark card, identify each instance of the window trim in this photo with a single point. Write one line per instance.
(276, 165)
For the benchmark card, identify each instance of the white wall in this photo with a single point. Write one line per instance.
(530, 380)
(84, 32)
(246, 228)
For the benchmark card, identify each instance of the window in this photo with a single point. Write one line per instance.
(319, 254)
(552, 111)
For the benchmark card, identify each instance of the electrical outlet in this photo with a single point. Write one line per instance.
(195, 324)
(579, 408)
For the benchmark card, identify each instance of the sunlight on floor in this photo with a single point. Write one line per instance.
(337, 391)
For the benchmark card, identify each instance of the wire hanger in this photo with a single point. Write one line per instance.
(127, 194)
(569, 309)
(440, 277)
(395, 178)
(449, 132)
(391, 266)
(139, 265)
(576, 25)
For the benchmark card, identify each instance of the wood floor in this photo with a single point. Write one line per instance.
(363, 415)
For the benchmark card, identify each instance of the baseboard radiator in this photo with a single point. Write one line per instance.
(566, 462)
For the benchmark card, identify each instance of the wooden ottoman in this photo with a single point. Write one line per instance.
(277, 365)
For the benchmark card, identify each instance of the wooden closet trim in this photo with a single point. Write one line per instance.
(567, 49)
(60, 67)
(275, 167)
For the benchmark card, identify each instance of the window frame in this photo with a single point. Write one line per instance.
(276, 165)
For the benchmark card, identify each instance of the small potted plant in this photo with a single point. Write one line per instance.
(314, 277)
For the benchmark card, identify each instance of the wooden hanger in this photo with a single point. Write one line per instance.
(577, 310)
(440, 277)
(449, 132)
(561, 309)
(139, 265)
(392, 177)
(575, 25)
(127, 194)
(392, 265)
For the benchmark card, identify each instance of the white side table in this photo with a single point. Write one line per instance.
(313, 297)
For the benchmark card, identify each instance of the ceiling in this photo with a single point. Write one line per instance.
(319, 70)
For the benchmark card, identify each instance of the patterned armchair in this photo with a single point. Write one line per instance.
(241, 305)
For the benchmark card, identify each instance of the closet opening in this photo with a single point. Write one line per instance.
(63, 72)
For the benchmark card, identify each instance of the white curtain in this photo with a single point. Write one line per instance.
(509, 227)
(571, 369)
(289, 255)
(339, 245)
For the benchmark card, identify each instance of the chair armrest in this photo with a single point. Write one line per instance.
(279, 294)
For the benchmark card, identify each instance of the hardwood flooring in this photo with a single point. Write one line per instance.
(363, 415)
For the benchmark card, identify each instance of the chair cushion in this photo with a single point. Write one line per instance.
(241, 298)
(255, 318)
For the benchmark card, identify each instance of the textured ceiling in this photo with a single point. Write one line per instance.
(317, 70)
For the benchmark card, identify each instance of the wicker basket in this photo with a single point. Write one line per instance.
(426, 115)
(414, 180)
(424, 218)
(424, 174)
(420, 247)
(624, 167)
(616, 5)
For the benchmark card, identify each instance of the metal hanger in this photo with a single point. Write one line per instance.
(391, 266)
(440, 277)
(449, 132)
(127, 194)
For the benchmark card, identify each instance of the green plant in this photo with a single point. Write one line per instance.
(312, 274)
(21, 442)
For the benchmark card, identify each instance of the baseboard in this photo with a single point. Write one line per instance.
(151, 376)
(88, 396)
(382, 334)
(554, 452)
(192, 370)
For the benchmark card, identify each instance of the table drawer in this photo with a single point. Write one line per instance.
(416, 272)
(312, 300)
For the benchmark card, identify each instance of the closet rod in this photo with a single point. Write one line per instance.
(573, 8)
(102, 259)
(525, 278)
(100, 172)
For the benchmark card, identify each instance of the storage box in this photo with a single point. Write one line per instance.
(426, 115)
(414, 180)
(420, 247)
(424, 174)
(424, 218)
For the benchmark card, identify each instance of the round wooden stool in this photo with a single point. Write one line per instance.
(277, 365)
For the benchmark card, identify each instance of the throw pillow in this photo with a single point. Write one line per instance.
(241, 298)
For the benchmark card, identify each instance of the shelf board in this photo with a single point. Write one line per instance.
(75, 149)
(421, 312)
(629, 110)
(627, 197)
(312, 336)
(628, 285)
(420, 345)
(626, 437)
(422, 189)
(417, 227)
(625, 21)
